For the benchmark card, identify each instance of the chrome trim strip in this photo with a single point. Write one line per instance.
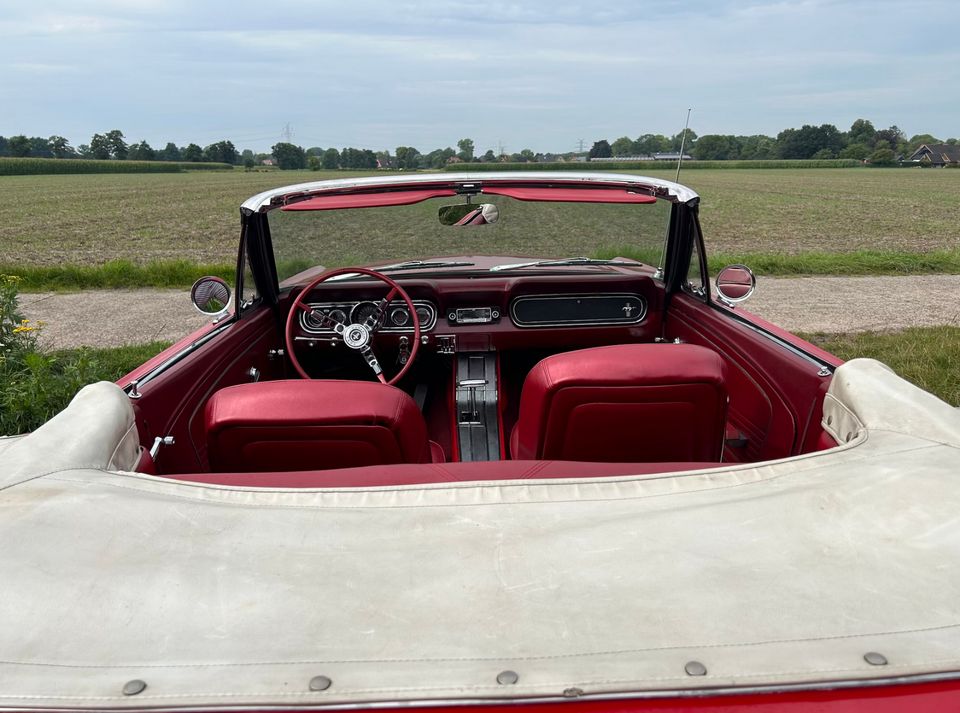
(592, 323)
(348, 307)
(265, 201)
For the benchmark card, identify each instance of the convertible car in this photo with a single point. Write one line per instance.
(514, 448)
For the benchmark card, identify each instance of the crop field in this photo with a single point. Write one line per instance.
(91, 219)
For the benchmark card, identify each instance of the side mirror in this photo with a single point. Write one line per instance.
(210, 295)
(469, 214)
(735, 283)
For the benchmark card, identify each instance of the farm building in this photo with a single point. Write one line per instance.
(935, 155)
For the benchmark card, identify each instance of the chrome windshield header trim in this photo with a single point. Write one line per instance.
(267, 200)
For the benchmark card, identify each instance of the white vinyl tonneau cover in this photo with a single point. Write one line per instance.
(782, 573)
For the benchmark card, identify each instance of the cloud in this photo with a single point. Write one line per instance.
(532, 74)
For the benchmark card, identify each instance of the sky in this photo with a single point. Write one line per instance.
(541, 75)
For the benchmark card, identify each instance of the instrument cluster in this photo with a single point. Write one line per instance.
(397, 317)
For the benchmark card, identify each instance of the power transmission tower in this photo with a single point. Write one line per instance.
(580, 143)
(287, 133)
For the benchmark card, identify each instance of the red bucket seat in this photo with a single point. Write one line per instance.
(624, 403)
(310, 425)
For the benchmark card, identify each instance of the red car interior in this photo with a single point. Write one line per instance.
(628, 403)
(516, 374)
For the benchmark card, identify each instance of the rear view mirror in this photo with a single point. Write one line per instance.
(210, 295)
(469, 214)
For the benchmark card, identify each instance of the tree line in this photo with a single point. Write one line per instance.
(862, 142)
(111, 145)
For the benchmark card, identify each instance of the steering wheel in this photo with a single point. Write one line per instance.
(357, 336)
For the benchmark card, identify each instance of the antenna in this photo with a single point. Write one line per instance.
(683, 142)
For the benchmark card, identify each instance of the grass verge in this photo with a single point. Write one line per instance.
(124, 274)
(115, 274)
(925, 356)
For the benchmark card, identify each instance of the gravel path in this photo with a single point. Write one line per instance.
(805, 304)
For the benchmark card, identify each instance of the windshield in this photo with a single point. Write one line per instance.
(534, 230)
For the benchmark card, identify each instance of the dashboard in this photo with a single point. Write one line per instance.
(508, 312)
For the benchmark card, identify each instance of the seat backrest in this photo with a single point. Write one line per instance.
(309, 425)
(624, 403)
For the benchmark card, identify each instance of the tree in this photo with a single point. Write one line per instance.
(313, 162)
(288, 156)
(883, 157)
(246, 155)
(118, 147)
(716, 147)
(466, 149)
(331, 159)
(489, 156)
(314, 151)
(192, 153)
(687, 143)
(649, 144)
(525, 156)
(100, 147)
(221, 152)
(622, 146)
(892, 137)
(248, 162)
(600, 149)
(60, 147)
(40, 147)
(804, 142)
(19, 146)
(83, 151)
(170, 152)
(438, 157)
(856, 151)
(141, 152)
(862, 132)
(4, 146)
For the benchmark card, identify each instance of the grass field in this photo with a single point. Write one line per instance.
(90, 219)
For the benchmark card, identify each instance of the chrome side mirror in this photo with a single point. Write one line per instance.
(735, 283)
(469, 214)
(210, 295)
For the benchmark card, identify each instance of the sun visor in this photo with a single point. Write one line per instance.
(367, 200)
(570, 195)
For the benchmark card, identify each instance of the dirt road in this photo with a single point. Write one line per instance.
(806, 304)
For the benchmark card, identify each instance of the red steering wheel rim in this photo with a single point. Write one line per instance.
(394, 288)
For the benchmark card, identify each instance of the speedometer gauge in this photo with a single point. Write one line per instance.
(362, 312)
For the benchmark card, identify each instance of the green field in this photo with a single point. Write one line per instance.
(90, 219)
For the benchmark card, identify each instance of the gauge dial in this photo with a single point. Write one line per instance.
(338, 315)
(362, 312)
(423, 315)
(399, 317)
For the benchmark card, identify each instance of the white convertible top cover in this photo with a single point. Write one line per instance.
(767, 575)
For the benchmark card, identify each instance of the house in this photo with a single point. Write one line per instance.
(268, 162)
(935, 155)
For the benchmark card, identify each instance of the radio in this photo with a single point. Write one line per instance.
(473, 315)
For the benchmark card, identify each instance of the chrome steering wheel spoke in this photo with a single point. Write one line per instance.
(373, 362)
(378, 318)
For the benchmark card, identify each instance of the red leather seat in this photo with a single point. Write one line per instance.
(624, 403)
(308, 425)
